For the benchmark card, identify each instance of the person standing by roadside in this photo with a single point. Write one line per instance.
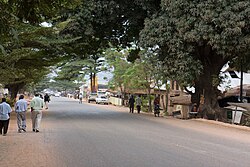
(194, 111)
(138, 102)
(21, 108)
(36, 105)
(5, 111)
(157, 106)
(46, 100)
(131, 103)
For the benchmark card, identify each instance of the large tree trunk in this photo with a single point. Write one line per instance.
(149, 100)
(91, 82)
(167, 93)
(205, 85)
(94, 83)
(13, 89)
(122, 94)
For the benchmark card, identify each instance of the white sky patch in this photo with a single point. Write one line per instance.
(46, 24)
(233, 82)
(100, 77)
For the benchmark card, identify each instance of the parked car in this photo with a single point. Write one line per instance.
(102, 99)
(92, 97)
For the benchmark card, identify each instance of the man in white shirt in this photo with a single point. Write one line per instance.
(138, 102)
(80, 98)
(5, 111)
(21, 108)
(36, 105)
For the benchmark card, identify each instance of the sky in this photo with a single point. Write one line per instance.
(233, 82)
(100, 78)
(101, 75)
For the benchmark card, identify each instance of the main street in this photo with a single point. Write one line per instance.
(90, 135)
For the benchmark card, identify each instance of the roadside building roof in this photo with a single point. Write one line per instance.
(182, 100)
(246, 106)
(236, 91)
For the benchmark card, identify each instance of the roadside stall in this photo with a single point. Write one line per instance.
(180, 106)
(238, 113)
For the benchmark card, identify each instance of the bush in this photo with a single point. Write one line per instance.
(145, 104)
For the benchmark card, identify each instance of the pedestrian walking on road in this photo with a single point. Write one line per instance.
(46, 100)
(21, 108)
(36, 105)
(5, 111)
(80, 98)
(131, 103)
(138, 102)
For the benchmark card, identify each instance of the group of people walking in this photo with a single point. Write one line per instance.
(138, 102)
(21, 106)
(132, 102)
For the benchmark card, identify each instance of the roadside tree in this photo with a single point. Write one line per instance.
(195, 39)
(27, 49)
(117, 65)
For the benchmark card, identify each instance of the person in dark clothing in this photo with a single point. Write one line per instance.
(157, 106)
(46, 100)
(131, 103)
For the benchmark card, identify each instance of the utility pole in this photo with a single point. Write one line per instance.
(241, 81)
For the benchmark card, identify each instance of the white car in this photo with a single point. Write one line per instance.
(57, 94)
(102, 99)
(92, 97)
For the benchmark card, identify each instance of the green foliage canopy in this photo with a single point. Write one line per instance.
(194, 33)
(117, 22)
(27, 50)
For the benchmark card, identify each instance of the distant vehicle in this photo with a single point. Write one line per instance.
(234, 99)
(102, 99)
(57, 94)
(92, 97)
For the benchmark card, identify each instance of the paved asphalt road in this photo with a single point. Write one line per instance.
(90, 135)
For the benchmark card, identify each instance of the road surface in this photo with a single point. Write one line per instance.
(90, 135)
